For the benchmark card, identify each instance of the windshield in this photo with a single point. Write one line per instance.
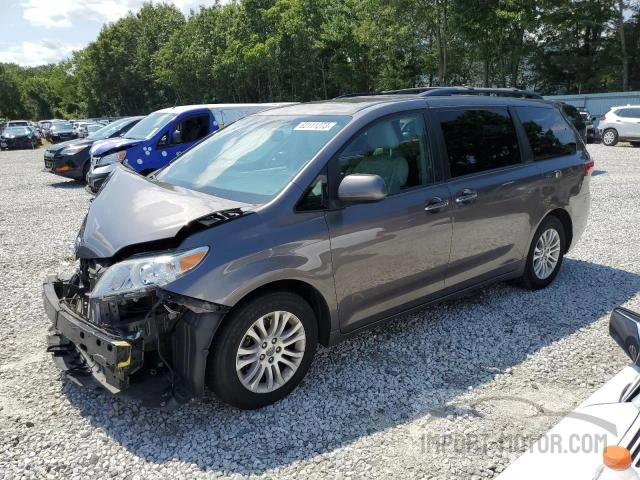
(108, 130)
(149, 125)
(16, 131)
(255, 158)
(62, 127)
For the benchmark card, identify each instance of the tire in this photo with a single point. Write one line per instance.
(532, 279)
(610, 137)
(223, 378)
(635, 144)
(85, 172)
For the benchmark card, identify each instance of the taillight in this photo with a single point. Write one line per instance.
(588, 167)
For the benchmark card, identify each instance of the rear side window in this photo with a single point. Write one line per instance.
(629, 112)
(548, 132)
(479, 140)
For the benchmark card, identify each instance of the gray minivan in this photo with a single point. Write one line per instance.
(303, 225)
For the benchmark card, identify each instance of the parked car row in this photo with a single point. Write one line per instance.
(72, 159)
(222, 257)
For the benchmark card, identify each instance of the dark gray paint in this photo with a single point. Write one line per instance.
(367, 260)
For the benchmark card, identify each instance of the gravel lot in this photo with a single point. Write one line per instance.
(373, 406)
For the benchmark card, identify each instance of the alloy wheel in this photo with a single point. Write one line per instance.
(270, 352)
(546, 253)
(608, 138)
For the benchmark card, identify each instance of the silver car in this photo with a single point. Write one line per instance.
(621, 124)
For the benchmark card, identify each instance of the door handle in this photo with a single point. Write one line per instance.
(467, 196)
(554, 174)
(435, 204)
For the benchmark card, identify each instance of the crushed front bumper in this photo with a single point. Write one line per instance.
(81, 349)
(127, 361)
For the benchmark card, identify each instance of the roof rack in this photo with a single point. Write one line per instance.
(357, 94)
(450, 91)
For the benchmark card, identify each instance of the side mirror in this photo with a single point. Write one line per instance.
(177, 136)
(624, 329)
(362, 187)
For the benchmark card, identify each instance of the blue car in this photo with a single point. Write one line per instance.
(163, 135)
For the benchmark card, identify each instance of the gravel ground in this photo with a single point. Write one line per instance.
(375, 406)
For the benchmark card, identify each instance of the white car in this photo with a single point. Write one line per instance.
(84, 129)
(77, 127)
(621, 124)
(611, 416)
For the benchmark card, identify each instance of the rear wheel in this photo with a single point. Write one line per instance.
(545, 254)
(263, 350)
(610, 137)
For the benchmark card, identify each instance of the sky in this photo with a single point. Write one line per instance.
(37, 32)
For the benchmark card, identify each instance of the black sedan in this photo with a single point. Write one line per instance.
(61, 131)
(18, 137)
(71, 159)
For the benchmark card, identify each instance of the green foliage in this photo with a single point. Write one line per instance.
(300, 50)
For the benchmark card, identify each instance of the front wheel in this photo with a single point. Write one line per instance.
(263, 350)
(85, 172)
(545, 254)
(610, 137)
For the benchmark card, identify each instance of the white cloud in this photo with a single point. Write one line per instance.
(31, 54)
(64, 17)
(65, 13)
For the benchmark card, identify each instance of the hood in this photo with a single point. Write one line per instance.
(113, 144)
(59, 146)
(130, 210)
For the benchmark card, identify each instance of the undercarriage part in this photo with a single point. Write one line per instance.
(191, 340)
(153, 348)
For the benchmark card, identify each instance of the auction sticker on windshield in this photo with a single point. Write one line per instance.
(315, 126)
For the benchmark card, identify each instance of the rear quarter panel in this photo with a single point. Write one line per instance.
(569, 191)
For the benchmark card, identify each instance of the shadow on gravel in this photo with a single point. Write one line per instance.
(67, 185)
(382, 378)
(598, 172)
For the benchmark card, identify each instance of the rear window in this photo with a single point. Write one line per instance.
(548, 132)
(61, 127)
(16, 131)
(479, 140)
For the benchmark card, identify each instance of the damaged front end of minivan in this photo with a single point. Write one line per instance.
(139, 341)
(115, 320)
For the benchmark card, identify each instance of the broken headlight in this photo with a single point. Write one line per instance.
(140, 274)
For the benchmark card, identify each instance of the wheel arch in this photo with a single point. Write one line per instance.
(308, 292)
(564, 217)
